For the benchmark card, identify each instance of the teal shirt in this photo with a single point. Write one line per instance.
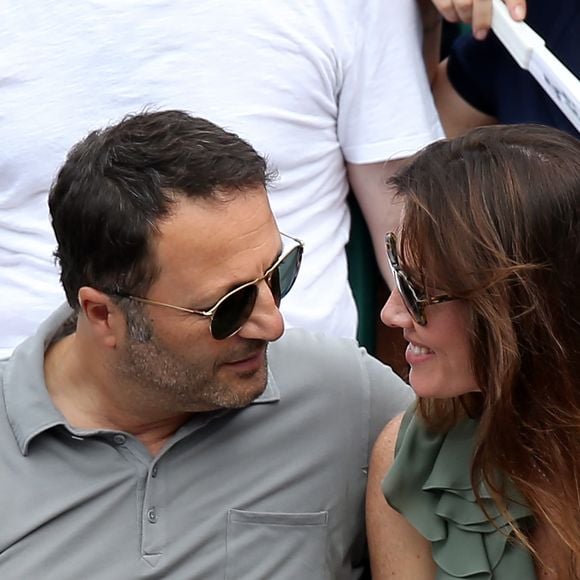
(429, 484)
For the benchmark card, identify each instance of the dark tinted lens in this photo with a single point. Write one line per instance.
(409, 297)
(404, 287)
(288, 271)
(233, 312)
(392, 251)
(274, 284)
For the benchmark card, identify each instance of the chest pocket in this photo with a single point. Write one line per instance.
(276, 546)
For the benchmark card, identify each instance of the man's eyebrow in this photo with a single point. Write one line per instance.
(235, 285)
(276, 258)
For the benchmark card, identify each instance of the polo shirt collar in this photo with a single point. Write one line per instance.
(29, 408)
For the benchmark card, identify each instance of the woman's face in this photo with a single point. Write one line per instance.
(438, 353)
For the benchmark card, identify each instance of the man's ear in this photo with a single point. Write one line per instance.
(104, 320)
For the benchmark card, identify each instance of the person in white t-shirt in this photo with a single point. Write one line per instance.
(328, 90)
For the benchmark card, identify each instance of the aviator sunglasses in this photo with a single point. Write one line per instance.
(232, 311)
(413, 299)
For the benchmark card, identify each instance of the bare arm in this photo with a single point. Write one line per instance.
(380, 210)
(477, 13)
(456, 114)
(431, 37)
(397, 550)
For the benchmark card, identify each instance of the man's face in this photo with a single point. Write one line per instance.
(204, 250)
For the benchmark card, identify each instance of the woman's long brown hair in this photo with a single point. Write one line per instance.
(493, 217)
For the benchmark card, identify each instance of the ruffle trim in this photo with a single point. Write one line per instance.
(429, 484)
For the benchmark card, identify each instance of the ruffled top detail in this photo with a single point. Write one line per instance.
(429, 484)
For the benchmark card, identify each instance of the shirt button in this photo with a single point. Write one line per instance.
(154, 471)
(152, 515)
(119, 439)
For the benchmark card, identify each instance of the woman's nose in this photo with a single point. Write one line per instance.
(395, 313)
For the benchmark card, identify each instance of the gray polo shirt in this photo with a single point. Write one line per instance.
(271, 491)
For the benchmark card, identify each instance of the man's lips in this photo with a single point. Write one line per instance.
(248, 358)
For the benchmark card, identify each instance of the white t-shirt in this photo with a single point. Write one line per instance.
(308, 84)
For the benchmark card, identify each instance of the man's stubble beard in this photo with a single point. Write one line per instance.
(172, 381)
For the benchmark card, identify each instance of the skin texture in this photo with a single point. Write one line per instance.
(397, 550)
(432, 33)
(197, 371)
(381, 211)
(101, 377)
(445, 370)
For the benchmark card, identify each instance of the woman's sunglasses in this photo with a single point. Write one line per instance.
(414, 300)
(232, 311)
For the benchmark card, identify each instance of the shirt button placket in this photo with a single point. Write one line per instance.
(152, 515)
(152, 529)
(119, 439)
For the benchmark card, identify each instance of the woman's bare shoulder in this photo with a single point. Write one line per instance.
(398, 551)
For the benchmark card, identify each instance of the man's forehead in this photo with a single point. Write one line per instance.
(224, 214)
(235, 239)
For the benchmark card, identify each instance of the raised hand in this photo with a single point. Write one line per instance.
(477, 13)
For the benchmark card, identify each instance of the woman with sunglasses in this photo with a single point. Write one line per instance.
(482, 475)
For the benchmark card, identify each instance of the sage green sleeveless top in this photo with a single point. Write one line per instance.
(429, 484)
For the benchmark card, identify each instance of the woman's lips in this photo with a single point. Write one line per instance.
(416, 354)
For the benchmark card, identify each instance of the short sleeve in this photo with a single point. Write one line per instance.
(385, 105)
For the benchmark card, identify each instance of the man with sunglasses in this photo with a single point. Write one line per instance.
(149, 429)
